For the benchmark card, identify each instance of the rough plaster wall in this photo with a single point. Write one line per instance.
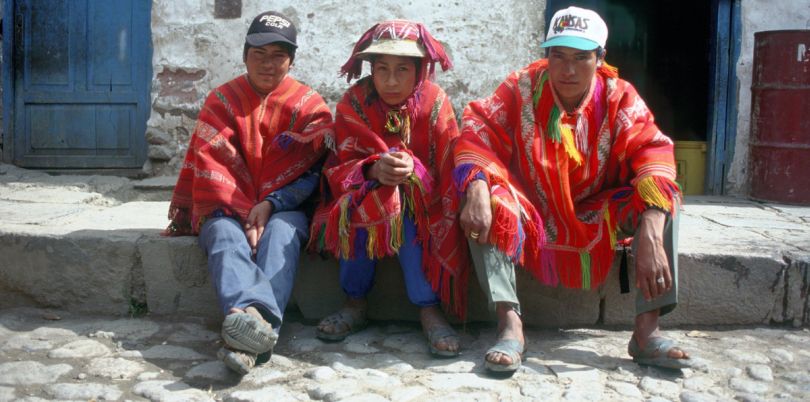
(757, 15)
(194, 52)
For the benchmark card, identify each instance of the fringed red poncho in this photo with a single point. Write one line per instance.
(561, 177)
(246, 146)
(429, 195)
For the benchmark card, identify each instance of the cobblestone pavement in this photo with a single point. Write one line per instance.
(47, 355)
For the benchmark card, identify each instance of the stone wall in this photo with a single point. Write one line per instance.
(194, 51)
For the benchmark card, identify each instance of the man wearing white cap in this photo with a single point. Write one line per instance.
(559, 164)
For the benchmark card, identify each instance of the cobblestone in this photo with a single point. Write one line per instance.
(83, 357)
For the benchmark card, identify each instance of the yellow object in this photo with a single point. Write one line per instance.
(690, 161)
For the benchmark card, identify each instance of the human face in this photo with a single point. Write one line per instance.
(394, 77)
(266, 67)
(571, 71)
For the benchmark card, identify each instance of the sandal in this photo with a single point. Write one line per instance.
(237, 360)
(656, 353)
(248, 333)
(351, 319)
(508, 347)
(442, 333)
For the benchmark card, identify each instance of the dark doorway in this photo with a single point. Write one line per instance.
(663, 48)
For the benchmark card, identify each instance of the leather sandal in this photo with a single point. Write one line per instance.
(508, 347)
(350, 320)
(442, 333)
(656, 353)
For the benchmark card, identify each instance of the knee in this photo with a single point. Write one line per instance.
(287, 221)
(216, 230)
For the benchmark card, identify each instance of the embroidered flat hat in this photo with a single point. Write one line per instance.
(270, 27)
(578, 28)
(398, 38)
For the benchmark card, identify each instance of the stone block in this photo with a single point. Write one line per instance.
(82, 271)
(792, 290)
(317, 291)
(227, 9)
(176, 277)
(160, 152)
(317, 294)
(555, 307)
(156, 136)
(713, 290)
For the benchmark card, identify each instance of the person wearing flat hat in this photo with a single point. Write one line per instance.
(557, 165)
(389, 184)
(253, 159)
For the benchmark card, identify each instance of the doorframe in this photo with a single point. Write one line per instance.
(723, 93)
(8, 80)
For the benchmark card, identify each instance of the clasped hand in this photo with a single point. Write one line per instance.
(392, 168)
(256, 221)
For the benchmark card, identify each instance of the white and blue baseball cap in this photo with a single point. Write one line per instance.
(577, 28)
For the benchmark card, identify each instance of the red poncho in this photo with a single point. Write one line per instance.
(429, 195)
(561, 177)
(246, 146)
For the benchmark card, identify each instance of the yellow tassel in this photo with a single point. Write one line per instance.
(610, 230)
(396, 234)
(343, 227)
(569, 144)
(649, 192)
(372, 240)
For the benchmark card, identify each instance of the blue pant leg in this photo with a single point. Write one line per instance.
(236, 278)
(277, 257)
(410, 259)
(357, 274)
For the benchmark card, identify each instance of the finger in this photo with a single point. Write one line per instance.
(645, 290)
(655, 287)
(395, 160)
(668, 280)
(259, 232)
(251, 237)
(483, 235)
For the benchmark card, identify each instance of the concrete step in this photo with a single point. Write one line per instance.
(741, 262)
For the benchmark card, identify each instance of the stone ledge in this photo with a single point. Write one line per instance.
(94, 271)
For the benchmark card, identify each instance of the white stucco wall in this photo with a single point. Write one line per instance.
(757, 15)
(486, 41)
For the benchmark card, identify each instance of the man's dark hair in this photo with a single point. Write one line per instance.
(290, 49)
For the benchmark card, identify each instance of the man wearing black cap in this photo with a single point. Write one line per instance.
(253, 159)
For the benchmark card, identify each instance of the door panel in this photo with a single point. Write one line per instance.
(81, 78)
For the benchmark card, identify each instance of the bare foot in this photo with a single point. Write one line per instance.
(439, 332)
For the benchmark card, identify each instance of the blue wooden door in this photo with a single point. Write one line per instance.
(81, 76)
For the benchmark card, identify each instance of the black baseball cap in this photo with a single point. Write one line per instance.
(270, 27)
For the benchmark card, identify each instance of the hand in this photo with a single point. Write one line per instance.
(256, 221)
(392, 168)
(476, 215)
(651, 257)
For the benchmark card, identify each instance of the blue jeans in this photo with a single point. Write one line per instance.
(265, 282)
(357, 275)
